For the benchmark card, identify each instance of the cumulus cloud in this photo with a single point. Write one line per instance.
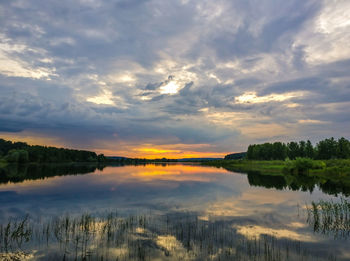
(224, 73)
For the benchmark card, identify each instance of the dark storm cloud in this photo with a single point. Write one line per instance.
(90, 69)
(9, 126)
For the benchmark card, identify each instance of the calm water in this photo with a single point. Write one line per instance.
(204, 201)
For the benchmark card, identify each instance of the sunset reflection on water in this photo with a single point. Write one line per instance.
(211, 194)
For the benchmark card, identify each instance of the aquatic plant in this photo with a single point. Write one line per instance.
(328, 217)
(177, 236)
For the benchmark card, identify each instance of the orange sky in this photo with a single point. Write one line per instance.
(144, 150)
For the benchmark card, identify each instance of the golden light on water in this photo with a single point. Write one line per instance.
(213, 192)
(151, 172)
(255, 231)
(115, 176)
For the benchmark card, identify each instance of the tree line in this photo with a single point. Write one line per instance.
(21, 152)
(324, 150)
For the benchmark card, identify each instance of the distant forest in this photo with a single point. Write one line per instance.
(324, 150)
(21, 152)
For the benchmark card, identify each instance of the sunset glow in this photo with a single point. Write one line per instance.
(175, 130)
(192, 74)
(251, 97)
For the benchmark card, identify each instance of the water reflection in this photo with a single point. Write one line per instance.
(234, 210)
(19, 173)
(298, 182)
(15, 173)
(330, 218)
(175, 236)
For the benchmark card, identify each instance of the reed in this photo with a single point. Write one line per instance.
(177, 236)
(328, 217)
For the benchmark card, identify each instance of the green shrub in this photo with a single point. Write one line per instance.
(338, 163)
(288, 166)
(301, 165)
(318, 164)
(17, 156)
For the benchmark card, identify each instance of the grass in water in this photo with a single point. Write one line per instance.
(177, 236)
(328, 217)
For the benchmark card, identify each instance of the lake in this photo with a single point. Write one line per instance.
(165, 212)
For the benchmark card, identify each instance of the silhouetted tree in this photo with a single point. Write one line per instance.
(343, 149)
(309, 150)
(279, 151)
(302, 149)
(327, 149)
(293, 150)
(22, 152)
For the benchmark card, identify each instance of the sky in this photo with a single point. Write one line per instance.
(179, 78)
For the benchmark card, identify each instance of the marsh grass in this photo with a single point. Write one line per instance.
(176, 236)
(328, 217)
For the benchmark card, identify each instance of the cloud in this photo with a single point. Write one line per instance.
(251, 97)
(104, 98)
(120, 74)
